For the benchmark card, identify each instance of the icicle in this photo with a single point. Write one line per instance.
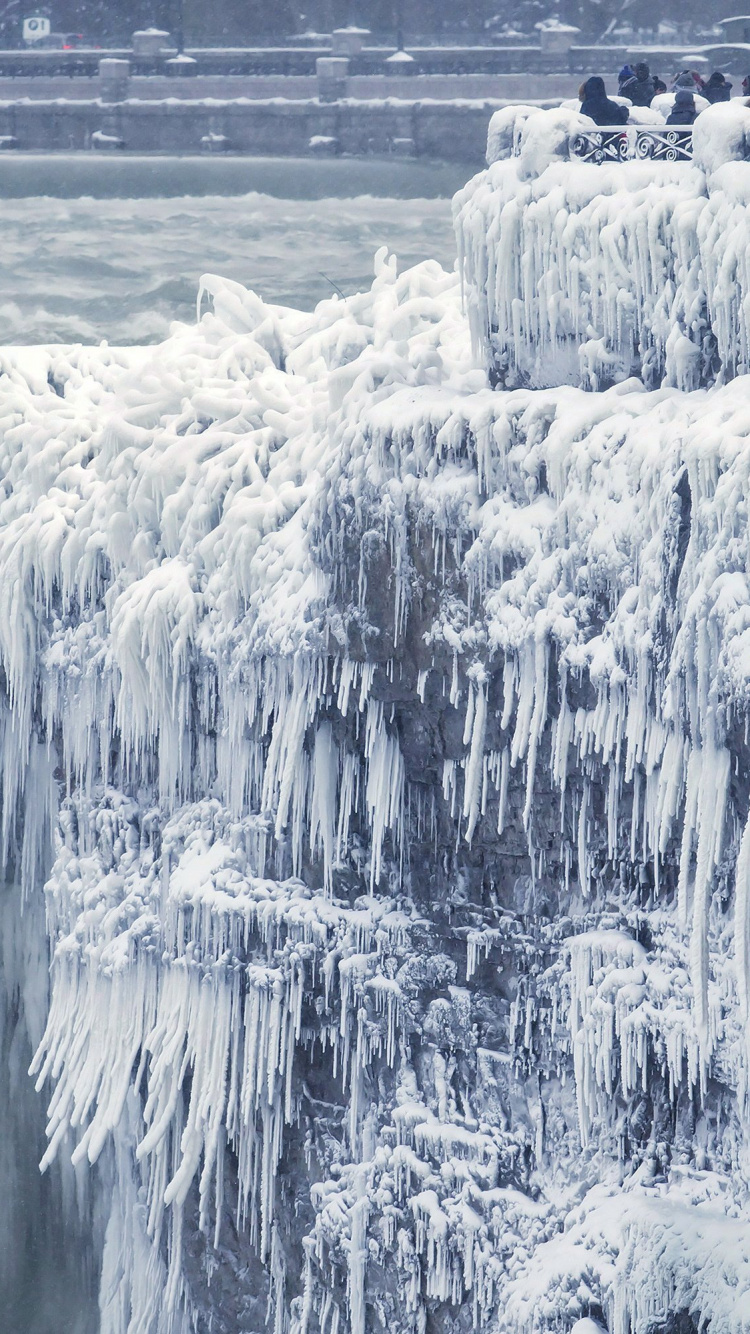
(473, 776)
(711, 807)
(357, 1267)
(323, 805)
(742, 921)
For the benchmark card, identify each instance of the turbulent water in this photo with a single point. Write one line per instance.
(82, 270)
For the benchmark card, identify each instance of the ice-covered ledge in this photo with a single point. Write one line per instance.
(585, 273)
(391, 735)
(384, 742)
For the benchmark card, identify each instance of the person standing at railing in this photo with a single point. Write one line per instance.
(640, 89)
(685, 79)
(600, 108)
(684, 110)
(746, 86)
(717, 89)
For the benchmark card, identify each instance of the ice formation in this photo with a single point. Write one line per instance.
(389, 732)
(584, 274)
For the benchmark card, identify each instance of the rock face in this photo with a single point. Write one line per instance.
(390, 735)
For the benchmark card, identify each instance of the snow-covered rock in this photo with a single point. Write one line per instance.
(389, 733)
(578, 273)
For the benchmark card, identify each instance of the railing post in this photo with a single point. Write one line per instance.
(149, 42)
(114, 78)
(347, 42)
(333, 73)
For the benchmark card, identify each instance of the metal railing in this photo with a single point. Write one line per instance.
(626, 143)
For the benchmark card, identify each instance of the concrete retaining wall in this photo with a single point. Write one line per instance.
(289, 60)
(300, 61)
(450, 131)
(369, 87)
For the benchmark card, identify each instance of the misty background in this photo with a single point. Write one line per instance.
(249, 22)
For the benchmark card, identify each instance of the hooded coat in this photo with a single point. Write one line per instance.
(718, 89)
(684, 80)
(641, 88)
(684, 110)
(599, 107)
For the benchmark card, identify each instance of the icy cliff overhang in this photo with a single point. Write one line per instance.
(585, 273)
(390, 734)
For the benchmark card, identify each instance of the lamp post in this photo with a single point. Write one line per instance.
(179, 32)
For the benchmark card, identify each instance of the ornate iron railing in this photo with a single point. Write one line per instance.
(623, 143)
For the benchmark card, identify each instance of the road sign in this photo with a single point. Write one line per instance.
(35, 28)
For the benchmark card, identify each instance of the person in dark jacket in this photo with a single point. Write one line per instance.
(746, 86)
(717, 89)
(640, 89)
(599, 107)
(684, 110)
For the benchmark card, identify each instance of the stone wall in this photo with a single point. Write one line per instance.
(295, 87)
(454, 131)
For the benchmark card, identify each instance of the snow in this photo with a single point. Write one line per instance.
(554, 25)
(583, 273)
(664, 102)
(235, 571)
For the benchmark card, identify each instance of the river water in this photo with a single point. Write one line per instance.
(115, 249)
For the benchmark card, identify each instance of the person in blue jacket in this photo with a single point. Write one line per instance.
(599, 107)
(641, 89)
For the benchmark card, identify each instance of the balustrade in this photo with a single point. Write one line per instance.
(624, 143)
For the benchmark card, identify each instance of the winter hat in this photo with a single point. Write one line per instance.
(684, 98)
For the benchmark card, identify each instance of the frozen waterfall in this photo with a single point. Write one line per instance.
(379, 740)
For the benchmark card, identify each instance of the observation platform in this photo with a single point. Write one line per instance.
(592, 254)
